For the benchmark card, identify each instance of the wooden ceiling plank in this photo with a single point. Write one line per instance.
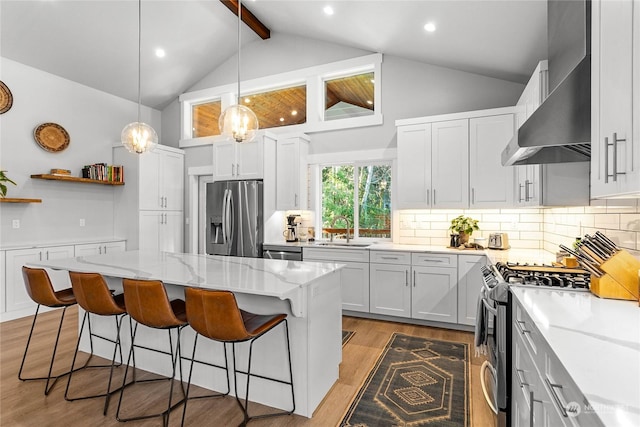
(248, 18)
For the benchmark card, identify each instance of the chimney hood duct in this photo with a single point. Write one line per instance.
(559, 131)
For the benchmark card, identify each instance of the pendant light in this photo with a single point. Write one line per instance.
(139, 137)
(238, 122)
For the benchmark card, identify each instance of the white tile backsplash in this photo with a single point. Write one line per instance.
(531, 228)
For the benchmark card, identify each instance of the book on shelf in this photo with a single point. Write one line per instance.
(104, 172)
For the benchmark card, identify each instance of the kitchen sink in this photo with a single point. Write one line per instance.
(343, 244)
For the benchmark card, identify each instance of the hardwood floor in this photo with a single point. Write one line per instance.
(24, 403)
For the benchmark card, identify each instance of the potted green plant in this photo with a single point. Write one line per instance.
(3, 188)
(464, 226)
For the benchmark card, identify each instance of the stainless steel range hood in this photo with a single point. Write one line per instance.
(559, 131)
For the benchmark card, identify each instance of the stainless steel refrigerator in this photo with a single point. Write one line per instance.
(234, 218)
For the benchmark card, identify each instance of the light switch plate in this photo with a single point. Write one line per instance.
(81, 222)
(16, 223)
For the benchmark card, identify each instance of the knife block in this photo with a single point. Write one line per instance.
(620, 280)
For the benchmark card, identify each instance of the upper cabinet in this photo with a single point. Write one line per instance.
(162, 179)
(432, 165)
(554, 184)
(615, 82)
(236, 161)
(453, 160)
(291, 173)
(491, 183)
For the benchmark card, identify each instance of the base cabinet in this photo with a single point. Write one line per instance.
(434, 294)
(17, 297)
(542, 392)
(99, 248)
(469, 285)
(390, 289)
(354, 276)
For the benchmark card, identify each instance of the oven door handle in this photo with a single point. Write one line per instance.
(486, 365)
(491, 309)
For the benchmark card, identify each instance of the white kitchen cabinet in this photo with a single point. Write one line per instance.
(291, 173)
(554, 184)
(615, 99)
(17, 297)
(161, 177)
(434, 293)
(161, 231)
(100, 248)
(414, 166)
(527, 177)
(433, 163)
(470, 283)
(390, 284)
(354, 276)
(155, 189)
(235, 161)
(491, 183)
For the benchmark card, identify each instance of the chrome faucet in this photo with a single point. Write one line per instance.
(333, 222)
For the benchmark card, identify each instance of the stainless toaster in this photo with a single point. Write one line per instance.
(498, 241)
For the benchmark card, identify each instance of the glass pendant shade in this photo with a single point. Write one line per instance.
(239, 123)
(139, 137)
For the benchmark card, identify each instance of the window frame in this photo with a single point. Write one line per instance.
(356, 206)
(313, 77)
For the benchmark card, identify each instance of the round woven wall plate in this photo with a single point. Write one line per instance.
(51, 137)
(6, 99)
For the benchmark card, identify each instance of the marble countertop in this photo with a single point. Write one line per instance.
(258, 276)
(598, 343)
(40, 244)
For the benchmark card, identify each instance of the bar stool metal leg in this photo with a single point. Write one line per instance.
(214, 395)
(116, 348)
(47, 388)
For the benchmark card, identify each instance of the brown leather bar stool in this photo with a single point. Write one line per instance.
(41, 291)
(148, 304)
(95, 297)
(216, 315)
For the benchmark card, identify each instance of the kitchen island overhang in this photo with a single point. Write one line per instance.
(309, 292)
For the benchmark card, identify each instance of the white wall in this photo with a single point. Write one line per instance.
(93, 120)
(409, 89)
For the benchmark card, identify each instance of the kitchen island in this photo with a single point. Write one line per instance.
(308, 292)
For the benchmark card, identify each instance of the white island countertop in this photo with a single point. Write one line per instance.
(257, 276)
(598, 343)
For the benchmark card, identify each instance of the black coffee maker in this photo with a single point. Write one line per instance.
(290, 234)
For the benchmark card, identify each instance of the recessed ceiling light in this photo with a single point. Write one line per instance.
(328, 10)
(430, 27)
(247, 101)
(369, 102)
(294, 113)
(282, 119)
(160, 53)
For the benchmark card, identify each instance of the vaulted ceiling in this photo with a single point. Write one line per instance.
(95, 42)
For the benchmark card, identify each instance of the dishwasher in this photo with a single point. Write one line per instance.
(291, 253)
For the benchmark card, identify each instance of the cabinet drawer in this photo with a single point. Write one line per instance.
(524, 327)
(335, 254)
(434, 260)
(566, 396)
(390, 257)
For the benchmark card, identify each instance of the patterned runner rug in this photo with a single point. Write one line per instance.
(415, 382)
(346, 336)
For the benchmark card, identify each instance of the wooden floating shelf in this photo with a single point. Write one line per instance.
(75, 179)
(17, 200)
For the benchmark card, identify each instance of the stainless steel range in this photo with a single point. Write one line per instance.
(496, 301)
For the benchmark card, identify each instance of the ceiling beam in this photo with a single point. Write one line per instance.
(248, 18)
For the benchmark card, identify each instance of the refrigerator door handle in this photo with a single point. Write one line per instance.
(224, 217)
(229, 213)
